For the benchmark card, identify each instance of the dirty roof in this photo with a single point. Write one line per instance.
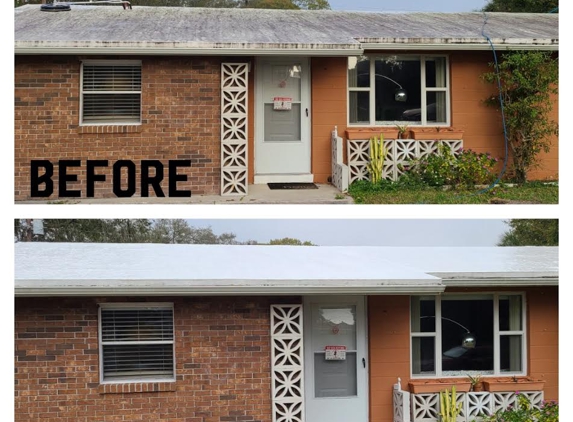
(95, 268)
(218, 31)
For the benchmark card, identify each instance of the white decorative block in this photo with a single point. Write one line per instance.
(425, 407)
(287, 363)
(234, 112)
(399, 153)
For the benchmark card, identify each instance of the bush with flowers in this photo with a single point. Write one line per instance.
(466, 168)
(524, 411)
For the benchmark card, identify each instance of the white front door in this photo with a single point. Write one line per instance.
(282, 130)
(335, 385)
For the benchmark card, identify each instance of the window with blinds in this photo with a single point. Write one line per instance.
(136, 342)
(111, 92)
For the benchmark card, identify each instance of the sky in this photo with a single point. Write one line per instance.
(364, 232)
(409, 5)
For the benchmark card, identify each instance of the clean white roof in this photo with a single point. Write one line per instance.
(145, 269)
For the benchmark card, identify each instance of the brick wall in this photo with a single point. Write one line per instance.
(222, 363)
(180, 121)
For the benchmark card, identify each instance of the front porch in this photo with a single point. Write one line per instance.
(257, 194)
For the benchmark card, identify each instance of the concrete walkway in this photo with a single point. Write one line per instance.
(258, 194)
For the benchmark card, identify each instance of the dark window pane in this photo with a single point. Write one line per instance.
(423, 314)
(359, 107)
(510, 354)
(510, 313)
(459, 317)
(436, 107)
(358, 72)
(423, 356)
(436, 73)
(394, 74)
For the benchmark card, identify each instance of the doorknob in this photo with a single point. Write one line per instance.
(307, 112)
(364, 362)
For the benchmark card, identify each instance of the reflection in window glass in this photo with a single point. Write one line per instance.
(510, 313)
(423, 314)
(391, 75)
(436, 107)
(459, 317)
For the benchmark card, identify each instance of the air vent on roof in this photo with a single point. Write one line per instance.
(55, 7)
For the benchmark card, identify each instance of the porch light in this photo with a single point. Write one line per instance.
(468, 340)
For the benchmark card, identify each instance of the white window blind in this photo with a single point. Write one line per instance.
(136, 343)
(111, 93)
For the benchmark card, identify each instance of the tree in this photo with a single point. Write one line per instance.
(87, 230)
(532, 232)
(521, 6)
(528, 81)
(291, 242)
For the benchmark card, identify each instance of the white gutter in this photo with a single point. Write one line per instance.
(35, 288)
(447, 46)
(501, 282)
(185, 49)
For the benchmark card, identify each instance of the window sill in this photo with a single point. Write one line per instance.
(110, 128)
(137, 387)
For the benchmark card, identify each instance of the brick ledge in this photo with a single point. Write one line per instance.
(137, 387)
(110, 129)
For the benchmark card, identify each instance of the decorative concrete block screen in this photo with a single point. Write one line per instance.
(339, 169)
(426, 407)
(287, 363)
(400, 152)
(234, 162)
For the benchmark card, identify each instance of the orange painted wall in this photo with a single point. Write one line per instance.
(389, 345)
(329, 97)
(482, 124)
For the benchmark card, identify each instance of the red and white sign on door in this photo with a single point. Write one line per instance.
(282, 103)
(335, 352)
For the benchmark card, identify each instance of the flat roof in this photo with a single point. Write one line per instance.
(55, 269)
(190, 30)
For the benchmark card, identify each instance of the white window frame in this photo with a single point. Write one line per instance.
(82, 92)
(372, 93)
(497, 334)
(126, 306)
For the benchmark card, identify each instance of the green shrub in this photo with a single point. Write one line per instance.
(525, 412)
(466, 169)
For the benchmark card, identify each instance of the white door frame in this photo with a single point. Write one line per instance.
(306, 177)
(361, 339)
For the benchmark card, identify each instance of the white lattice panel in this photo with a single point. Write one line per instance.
(400, 152)
(234, 112)
(287, 360)
(479, 404)
(425, 407)
(401, 405)
(340, 174)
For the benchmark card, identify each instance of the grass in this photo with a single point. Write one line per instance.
(530, 193)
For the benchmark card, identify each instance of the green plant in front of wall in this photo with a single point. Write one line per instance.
(475, 381)
(524, 411)
(402, 131)
(465, 168)
(449, 407)
(377, 157)
(528, 85)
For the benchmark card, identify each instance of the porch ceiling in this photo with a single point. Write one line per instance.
(173, 30)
